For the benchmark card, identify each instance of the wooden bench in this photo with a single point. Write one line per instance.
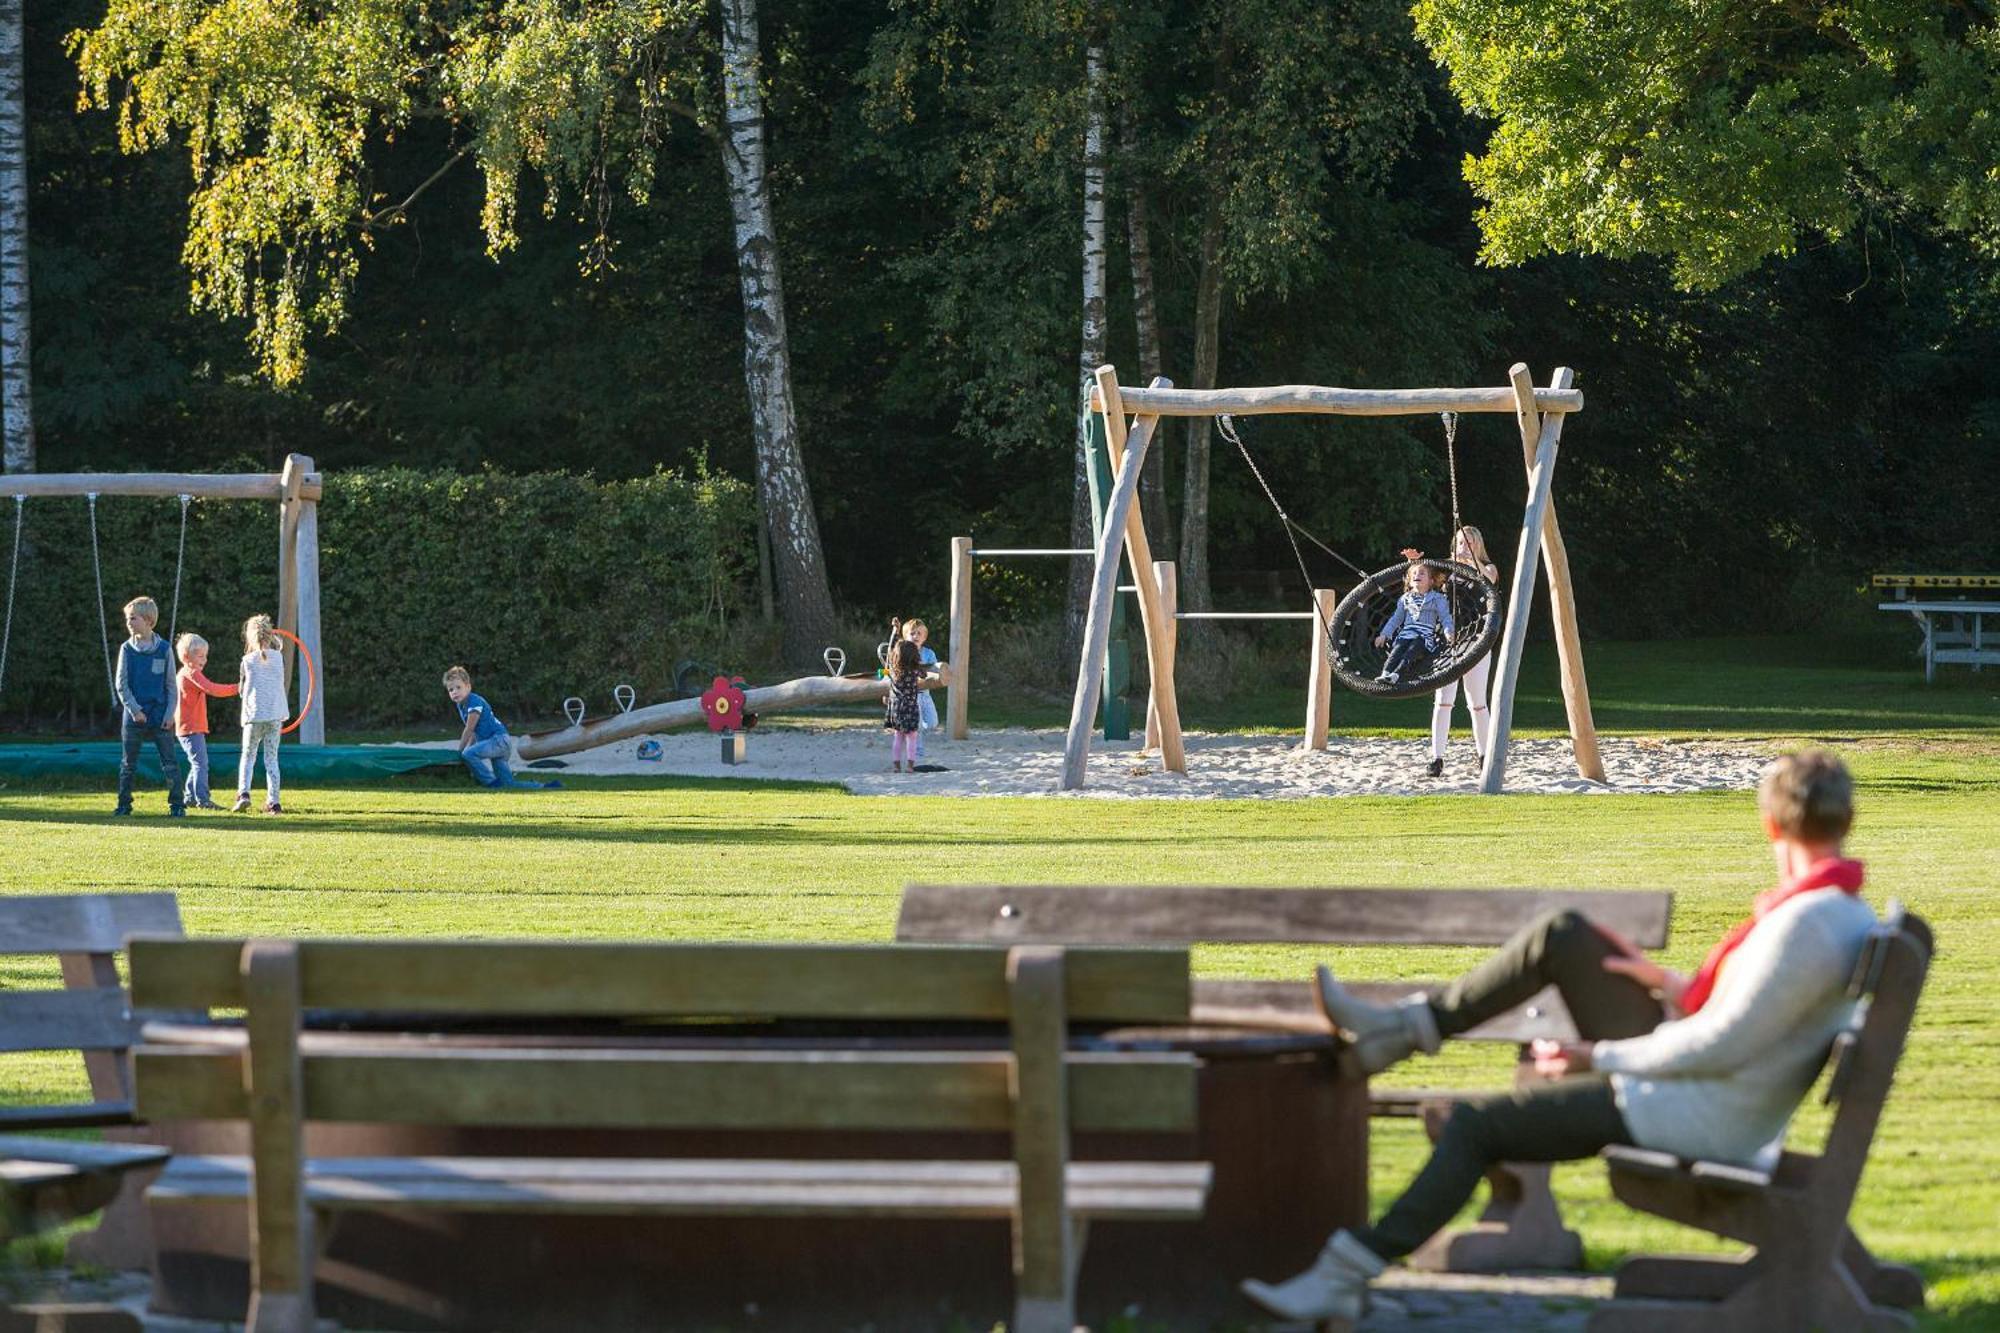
(1034, 1089)
(1807, 1269)
(1521, 1226)
(45, 1182)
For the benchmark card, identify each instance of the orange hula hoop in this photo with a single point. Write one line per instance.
(312, 680)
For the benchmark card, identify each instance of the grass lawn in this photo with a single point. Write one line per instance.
(719, 859)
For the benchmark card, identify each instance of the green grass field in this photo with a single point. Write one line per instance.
(720, 859)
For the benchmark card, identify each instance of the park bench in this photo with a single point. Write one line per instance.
(1033, 1088)
(45, 1181)
(1807, 1269)
(1521, 1226)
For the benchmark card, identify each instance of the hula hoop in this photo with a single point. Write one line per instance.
(312, 681)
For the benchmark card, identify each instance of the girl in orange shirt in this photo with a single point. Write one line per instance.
(191, 718)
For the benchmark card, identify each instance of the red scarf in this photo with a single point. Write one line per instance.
(1832, 873)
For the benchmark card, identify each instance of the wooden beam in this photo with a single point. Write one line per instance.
(958, 694)
(1155, 620)
(288, 555)
(163, 485)
(1562, 596)
(1520, 598)
(281, 1296)
(1319, 671)
(1038, 1086)
(1170, 601)
(312, 729)
(1097, 623)
(1316, 399)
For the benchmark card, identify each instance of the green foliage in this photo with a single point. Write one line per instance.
(1721, 135)
(543, 585)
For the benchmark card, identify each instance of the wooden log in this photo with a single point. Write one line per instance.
(1520, 599)
(1319, 671)
(164, 485)
(1562, 595)
(1044, 1244)
(958, 696)
(281, 1297)
(288, 556)
(1316, 399)
(312, 729)
(805, 692)
(1155, 620)
(1170, 602)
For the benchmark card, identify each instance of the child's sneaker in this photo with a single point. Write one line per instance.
(1437, 768)
(122, 812)
(178, 812)
(206, 805)
(242, 804)
(273, 808)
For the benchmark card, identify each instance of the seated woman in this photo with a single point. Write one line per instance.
(1708, 1067)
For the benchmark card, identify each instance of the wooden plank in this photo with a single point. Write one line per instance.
(705, 1187)
(1289, 1006)
(549, 977)
(1163, 704)
(288, 557)
(1174, 914)
(1038, 1088)
(676, 1089)
(1169, 582)
(72, 1020)
(1097, 621)
(166, 485)
(312, 728)
(281, 1222)
(1323, 400)
(69, 1115)
(1520, 596)
(98, 972)
(958, 694)
(1319, 671)
(83, 922)
(83, 1154)
(1562, 595)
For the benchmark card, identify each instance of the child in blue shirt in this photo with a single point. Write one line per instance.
(145, 687)
(484, 742)
(927, 716)
(1421, 624)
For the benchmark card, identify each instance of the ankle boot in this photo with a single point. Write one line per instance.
(1382, 1034)
(1335, 1287)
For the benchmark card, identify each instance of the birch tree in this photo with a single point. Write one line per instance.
(1092, 345)
(16, 385)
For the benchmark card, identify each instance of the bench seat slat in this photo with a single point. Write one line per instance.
(89, 1019)
(65, 923)
(1665, 1166)
(71, 1115)
(80, 1153)
(677, 1089)
(703, 1187)
(1290, 1005)
(565, 978)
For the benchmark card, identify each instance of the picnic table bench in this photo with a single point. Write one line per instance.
(1951, 611)
(1521, 1226)
(1034, 1091)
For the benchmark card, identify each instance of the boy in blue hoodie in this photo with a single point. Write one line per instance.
(145, 686)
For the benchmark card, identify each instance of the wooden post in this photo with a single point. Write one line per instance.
(1044, 1243)
(958, 693)
(312, 729)
(1520, 598)
(1115, 708)
(1170, 602)
(281, 1295)
(1155, 619)
(1562, 596)
(1319, 673)
(292, 478)
(1097, 622)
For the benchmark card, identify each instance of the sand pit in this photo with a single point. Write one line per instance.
(1021, 762)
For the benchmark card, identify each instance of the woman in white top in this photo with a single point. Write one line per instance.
(1468, 547)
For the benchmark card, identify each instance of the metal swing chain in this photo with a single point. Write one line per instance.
(1450, 420)
(103, 623)
(13, 574)
(180, 558)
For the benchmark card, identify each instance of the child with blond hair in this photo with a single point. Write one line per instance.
(191, 718)
(261, 682)
(143, 684)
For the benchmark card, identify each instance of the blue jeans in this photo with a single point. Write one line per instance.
(159, 729)
(195, 747)
(488, 761)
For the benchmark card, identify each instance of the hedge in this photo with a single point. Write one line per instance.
(544, 585)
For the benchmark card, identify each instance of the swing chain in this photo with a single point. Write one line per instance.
(1451, 461)
(103, 621)
(13, 575)
(180, 559)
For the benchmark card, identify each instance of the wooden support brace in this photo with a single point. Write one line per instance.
(292, 478)
(1044, 1246)
(281, 1299)
(312, 729)
(1319, 671)
(958, 693)
(1170, 602)
(1562, 596)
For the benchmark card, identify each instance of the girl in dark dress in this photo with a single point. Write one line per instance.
(906, 673)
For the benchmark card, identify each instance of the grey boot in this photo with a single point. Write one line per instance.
(1335, 1287)
(1382, 1034)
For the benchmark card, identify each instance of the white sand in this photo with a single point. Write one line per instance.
(1021, 762)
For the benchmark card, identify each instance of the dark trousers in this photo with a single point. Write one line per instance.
(1412, 654)
(159, 728)
(1557, 1121)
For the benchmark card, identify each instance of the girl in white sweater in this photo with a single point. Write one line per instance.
(1709, 1066)
(265, 708)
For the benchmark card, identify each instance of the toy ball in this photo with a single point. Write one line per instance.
(652, 749)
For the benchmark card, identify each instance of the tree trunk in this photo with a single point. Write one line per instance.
(804, 601)
(1092, 354)
(1193, 573)
(16, 397)
(1145, 314)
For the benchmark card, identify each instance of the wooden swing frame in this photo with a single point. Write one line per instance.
(1540, 414)
(297, 490)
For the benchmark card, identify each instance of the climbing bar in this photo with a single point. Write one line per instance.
(166, 485)
(1342, 402)
(998, 552)
(1244, 615)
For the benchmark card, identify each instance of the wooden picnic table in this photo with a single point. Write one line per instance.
(1950, 610)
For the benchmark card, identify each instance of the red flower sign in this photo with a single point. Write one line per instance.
(723, 703)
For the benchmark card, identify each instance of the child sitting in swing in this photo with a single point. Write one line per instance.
(1419, 627)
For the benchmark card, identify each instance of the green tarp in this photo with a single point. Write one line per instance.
(302, 763)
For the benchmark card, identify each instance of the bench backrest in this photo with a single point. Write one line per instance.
(1168, 914)
(91, 1013)
(1036, 992)
(1888, 979)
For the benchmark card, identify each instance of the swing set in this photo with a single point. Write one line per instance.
(297, 490)
(1350, 630)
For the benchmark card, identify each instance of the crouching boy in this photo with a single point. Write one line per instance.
(484, 743)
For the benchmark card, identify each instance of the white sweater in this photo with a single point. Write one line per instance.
(1722, 1083)
(261, 681)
